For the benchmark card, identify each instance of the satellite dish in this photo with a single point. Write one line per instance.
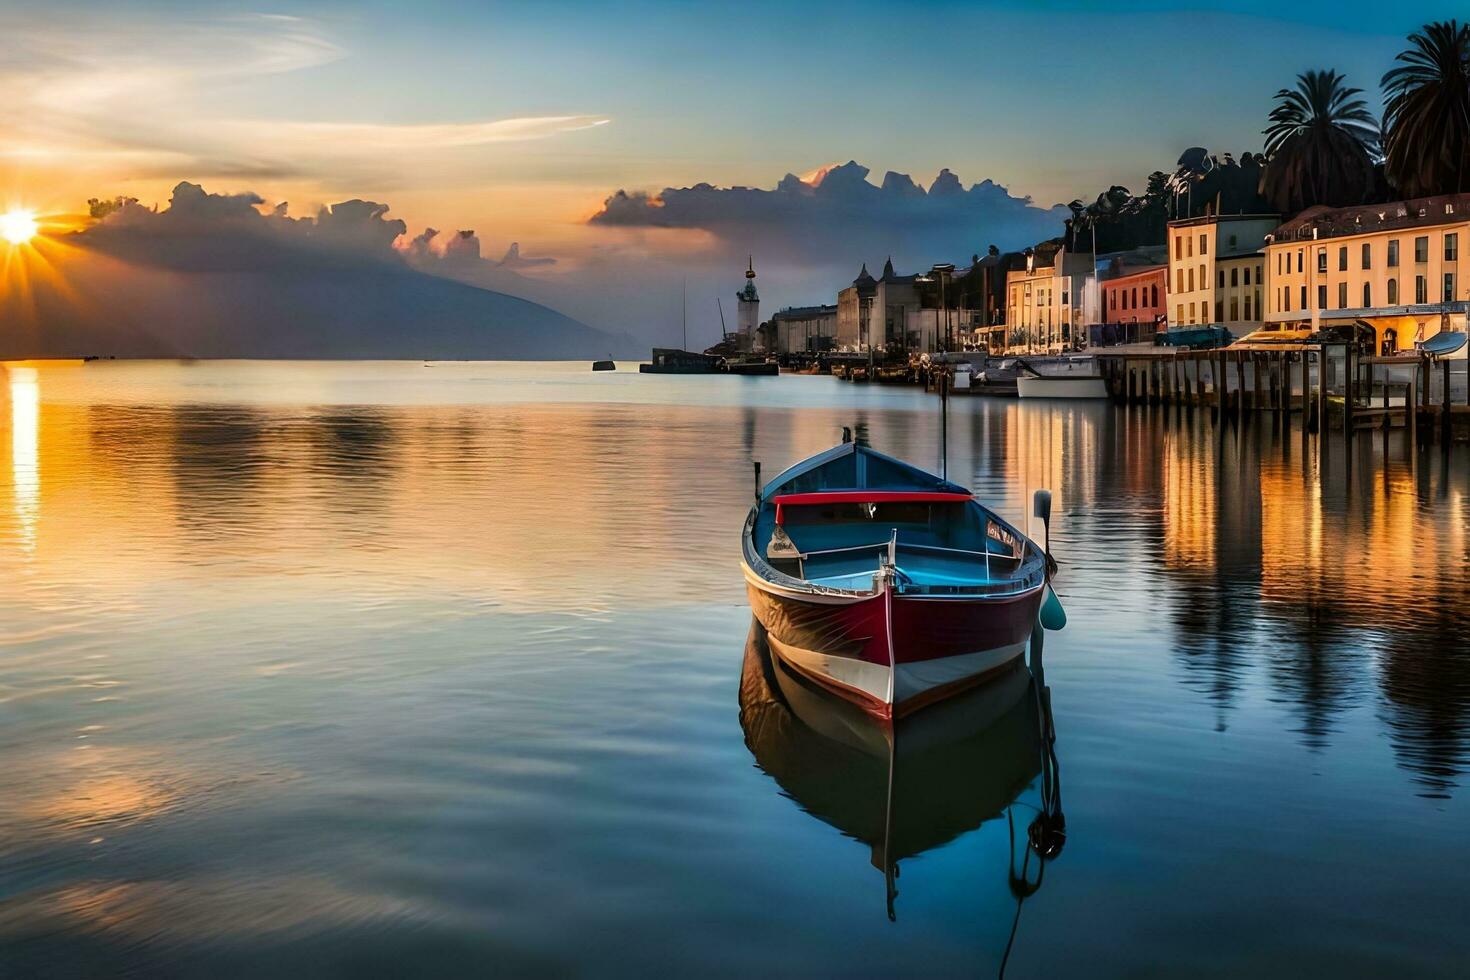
(1442, 343)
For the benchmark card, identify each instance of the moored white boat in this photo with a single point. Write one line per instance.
(1069, 377)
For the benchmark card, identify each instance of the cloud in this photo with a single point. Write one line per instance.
(141, 97)
(199, 230)
(415, 137)
(838, 215)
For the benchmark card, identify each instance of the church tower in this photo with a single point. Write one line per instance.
(747, 305)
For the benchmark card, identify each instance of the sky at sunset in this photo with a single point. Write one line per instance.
(519, 120)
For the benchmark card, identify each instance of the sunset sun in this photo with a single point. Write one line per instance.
(17, 227)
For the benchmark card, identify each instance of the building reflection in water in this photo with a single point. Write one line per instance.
(1290, 565)
(940, 773)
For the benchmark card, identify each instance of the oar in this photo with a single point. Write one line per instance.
(1052, 615)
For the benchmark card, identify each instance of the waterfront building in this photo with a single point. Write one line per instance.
(1216, 273)
(1400, 268)
(1043, 307)
(872, 314)
(1123, 299)
(803, 330)
(1135, 300)
(919, 313)
(747, 309)
(855, 312)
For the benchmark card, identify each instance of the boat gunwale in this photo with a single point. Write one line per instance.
(766, 574)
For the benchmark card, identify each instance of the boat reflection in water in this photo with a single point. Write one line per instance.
(928, 779)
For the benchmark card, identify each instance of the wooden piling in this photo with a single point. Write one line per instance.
(1411, 414)
(1447, 430)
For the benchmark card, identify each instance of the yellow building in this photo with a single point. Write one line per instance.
(1399, 267)
(1216, 271)
(1044, 301)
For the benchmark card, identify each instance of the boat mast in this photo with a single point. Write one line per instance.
(721, 307)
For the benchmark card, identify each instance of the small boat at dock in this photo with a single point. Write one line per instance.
(889, 586)
(668, 360)
(1064, 377)
(751, 367)
(604, 366)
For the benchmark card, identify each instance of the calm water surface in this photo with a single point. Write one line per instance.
(401, 669)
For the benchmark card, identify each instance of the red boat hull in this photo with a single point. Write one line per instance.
(889, 653)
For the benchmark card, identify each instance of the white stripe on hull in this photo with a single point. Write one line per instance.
(870, 679)
(908, 681)
(925, 675)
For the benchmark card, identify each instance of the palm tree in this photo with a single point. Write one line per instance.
(1074, 225)
(1426, 117)
(1320, 145)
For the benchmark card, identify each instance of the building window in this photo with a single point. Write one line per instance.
(1421, 248)
(1221, 278)
(1322, 297)
(1258, 305)
(1247, 275)
(1451, 247)
(1260, 275)
(1189, 247)
(1322, 261)
(1191, 281)
(1367, 255)
(1299, 254)
(1219, 311)
(1342, 296)
(1247, 307)
(1393, 292)
(1449, 287)
(1303, 300)
(1178, 246)
(1342, 259)
(1203, 250)
(1285, 300)
(1178, 280)
(1234, 278)
(1278, 262)
(1367, 295)
(1112, 301)
(1155, 288)
(1234, 309)
(1135, 297)
(1421, 290)
(1393, 252)
(1178, 312)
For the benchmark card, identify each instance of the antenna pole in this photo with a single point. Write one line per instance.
(944, 422)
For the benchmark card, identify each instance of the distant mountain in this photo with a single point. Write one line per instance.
(88, 303)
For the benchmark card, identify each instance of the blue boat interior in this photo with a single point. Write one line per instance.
(941, 546)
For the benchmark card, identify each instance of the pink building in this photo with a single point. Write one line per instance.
(1137, 297)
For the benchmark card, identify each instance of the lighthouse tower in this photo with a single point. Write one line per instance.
(747, 305)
